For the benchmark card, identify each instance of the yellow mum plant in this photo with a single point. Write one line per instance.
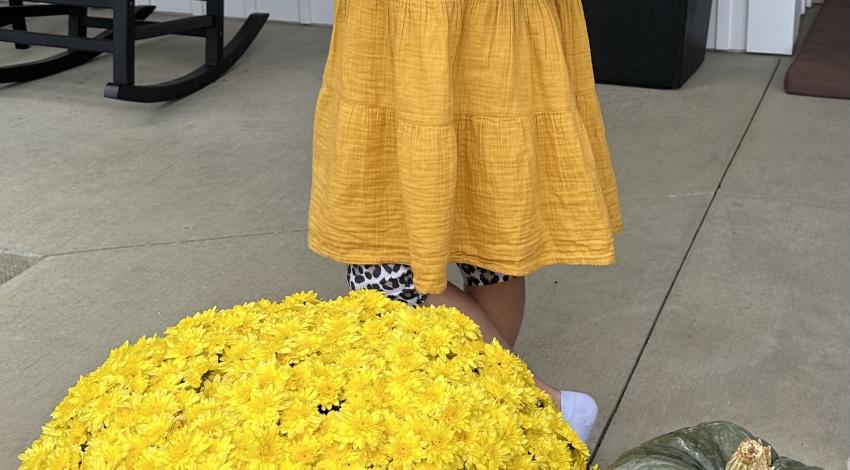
(358, 382)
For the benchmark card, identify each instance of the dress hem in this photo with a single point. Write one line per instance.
(606, 259)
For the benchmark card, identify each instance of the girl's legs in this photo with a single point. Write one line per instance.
(497, 302)
(396, 282)
(454, 297)
(504, 304)
(504, 296)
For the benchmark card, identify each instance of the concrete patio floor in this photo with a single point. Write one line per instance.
(729, 299)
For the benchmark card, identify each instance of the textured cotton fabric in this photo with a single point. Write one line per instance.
(461, 131)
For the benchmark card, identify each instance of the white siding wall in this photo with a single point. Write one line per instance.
(766, 26)
(299, 11)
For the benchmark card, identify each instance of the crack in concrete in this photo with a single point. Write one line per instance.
(172, 242)
(681, 265)
(667, 196)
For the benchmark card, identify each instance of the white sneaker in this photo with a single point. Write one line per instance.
(580, 410)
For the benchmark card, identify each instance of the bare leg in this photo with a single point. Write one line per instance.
(454, 297)
(504, 304)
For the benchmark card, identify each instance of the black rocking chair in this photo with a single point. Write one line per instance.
(120, 33)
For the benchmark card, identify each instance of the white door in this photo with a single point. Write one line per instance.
(764, 26)
(773, 25)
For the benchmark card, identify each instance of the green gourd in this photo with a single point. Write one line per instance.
(717, 445)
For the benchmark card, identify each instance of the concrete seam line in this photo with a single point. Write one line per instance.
(681, 265)
(171, 242)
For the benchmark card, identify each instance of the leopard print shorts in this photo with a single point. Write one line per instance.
(396, 280)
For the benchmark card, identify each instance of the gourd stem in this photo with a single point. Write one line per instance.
(750, 455)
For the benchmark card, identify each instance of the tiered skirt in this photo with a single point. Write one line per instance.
(461, 131)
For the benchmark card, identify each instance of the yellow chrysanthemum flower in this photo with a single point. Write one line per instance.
(357, 382)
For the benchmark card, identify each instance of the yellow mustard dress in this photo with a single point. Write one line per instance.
(461, 131)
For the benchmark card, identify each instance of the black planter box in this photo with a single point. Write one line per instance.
(648, 43)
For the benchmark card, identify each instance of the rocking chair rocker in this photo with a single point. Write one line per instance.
(120, 33)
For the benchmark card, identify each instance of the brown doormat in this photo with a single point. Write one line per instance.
(822, 66)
